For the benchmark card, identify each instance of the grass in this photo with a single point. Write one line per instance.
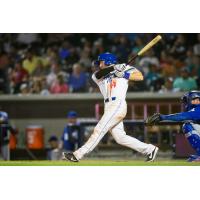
(101, 163)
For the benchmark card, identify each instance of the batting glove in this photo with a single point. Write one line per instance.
(119, 74)
(120, 67)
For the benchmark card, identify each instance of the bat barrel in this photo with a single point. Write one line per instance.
(149, 45)
(146, 48)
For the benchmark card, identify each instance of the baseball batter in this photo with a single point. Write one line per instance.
(112, 79)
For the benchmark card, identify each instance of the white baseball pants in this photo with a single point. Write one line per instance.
(114, 113)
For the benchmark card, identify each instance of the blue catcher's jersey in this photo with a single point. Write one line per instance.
(191, 115)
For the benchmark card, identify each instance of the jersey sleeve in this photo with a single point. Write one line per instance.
(193, 115)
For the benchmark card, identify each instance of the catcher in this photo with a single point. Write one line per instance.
(191, 119)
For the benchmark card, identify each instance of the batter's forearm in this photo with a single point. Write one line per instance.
(103, 72)
(134, 76)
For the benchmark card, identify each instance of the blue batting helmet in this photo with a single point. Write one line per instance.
(72, 114)
(188, 97)
(108, 58)
(3, 117)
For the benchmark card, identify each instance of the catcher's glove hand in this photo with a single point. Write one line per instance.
(154, 119)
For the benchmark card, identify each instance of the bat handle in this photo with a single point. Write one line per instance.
(132, 59)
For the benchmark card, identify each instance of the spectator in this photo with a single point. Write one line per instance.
(194, 67)
(64, 52)
(59, 86)
(123, 49)
(168, 86)
(53, 152)
(78, 79)
(18, 76)
(138, 45)
(36, 86)
(147, 60)
(184, 82)
(40, 70)
(151, 77)
(179, 47)
(85, 60)
(196, 47)
(72, 137)
(4, 64)
(189, 57)
(4, 81)
(51, 55)
(24, 89)
(55, 70)
(167, 65)
(97, 48)
(44, 90)
(31, 61)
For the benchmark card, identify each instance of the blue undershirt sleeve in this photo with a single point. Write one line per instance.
(126, 75)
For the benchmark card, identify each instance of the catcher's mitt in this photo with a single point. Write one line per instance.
(154, 119)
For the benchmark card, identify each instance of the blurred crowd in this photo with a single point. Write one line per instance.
(63, 63)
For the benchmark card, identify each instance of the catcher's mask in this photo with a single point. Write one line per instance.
(108, 58)
(188, 97)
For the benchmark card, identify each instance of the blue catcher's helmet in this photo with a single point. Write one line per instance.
(188, 97)
(108, 58)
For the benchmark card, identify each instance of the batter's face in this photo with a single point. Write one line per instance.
(102, 64)
(72, 120)
(195, 101)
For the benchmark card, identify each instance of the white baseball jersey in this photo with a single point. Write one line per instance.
(112, 86)
(114, 90)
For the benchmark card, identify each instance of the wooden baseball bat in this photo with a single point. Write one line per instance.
(146, 48)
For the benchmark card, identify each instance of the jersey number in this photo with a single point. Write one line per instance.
(112, 84)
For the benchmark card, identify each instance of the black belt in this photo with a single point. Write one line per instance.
(111, 99)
